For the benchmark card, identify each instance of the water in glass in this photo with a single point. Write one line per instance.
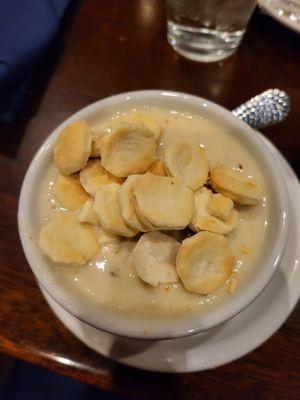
(207, 30)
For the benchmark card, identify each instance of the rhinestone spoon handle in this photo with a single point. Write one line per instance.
(265, 109)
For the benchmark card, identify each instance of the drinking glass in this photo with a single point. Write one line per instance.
(287, 8)
(207, 30)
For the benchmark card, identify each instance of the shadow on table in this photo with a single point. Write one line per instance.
(30, 382)
(11, 133)
(165, 385)
(123, 348)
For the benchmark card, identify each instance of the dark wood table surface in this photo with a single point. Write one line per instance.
(112, 46)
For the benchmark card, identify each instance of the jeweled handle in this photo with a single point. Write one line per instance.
(265, 109)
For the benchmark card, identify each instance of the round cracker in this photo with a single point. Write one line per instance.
(187, 163)
(108, 210)
(220, 206)
(87, 213)
(128, 149)
(127, 204)
(202, 220)
(137, 117)
(69, 192)
(65, 240)
(204, 262)
(163, 202)
(235, 185)
(94, 175)
(73, 147)
(154, 258)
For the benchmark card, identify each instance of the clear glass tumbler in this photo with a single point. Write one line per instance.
(287, 9)
(207, 30)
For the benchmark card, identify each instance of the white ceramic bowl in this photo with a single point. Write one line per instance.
(120, 325)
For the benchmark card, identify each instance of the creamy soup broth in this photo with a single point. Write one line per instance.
(110, 283)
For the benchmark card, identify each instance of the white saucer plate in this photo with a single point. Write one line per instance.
(221, 345)
(279, 15)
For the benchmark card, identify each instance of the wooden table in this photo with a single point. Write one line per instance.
(113, 46)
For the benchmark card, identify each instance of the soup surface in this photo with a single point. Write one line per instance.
(109, 282)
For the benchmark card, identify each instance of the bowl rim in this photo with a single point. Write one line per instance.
(215, 317)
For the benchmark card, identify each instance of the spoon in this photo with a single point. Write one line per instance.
(265, 109)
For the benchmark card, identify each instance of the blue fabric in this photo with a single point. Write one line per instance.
(27, 27)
